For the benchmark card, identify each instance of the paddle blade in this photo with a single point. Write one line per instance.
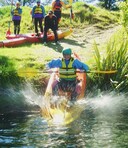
(27, 72)
(76, 56)
(103, 72)
(71, 14)
(8, 32)
(46, 111)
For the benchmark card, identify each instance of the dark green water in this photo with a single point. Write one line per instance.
(102, 124)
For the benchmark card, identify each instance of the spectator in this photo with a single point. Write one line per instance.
(38, 13)
(16, 18)
(57, 9)
(50, 22)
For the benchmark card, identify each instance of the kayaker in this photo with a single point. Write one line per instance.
(16, 18)
(67, 72)
(57, 9)
(38, 13)
(50, 22)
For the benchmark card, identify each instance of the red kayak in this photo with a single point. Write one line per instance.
(12, 43)
(32, 38)
(16, 40)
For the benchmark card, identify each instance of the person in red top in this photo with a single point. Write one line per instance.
(57, 9)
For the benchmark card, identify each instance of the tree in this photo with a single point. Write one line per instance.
(124, 14)
(23, 2)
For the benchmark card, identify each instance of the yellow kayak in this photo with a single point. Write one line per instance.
(58, 109)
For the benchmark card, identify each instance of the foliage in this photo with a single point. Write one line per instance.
(116, 57)
(29, 3)
(110, 4)
(87, 14)
(124, 14)
(8, 74)
(27, 56)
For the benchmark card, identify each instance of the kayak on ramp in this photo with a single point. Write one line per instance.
(32, 38)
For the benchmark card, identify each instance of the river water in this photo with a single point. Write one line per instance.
(103, 123)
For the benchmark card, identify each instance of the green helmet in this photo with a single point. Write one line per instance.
(67, 51)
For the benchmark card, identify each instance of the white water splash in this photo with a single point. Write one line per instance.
(31, 96)
(108, 106)
(105, 104)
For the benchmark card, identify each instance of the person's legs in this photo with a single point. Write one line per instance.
(36, 25)
(15, 26)
(62, 85)
(40, 25)
(55, 89)
(15, 29)
(68, 86)
(45, 34)
(55, 34)
(72, 88)
(18, 26)
(58, 15)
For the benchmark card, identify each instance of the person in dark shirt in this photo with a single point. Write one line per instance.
(50, 22)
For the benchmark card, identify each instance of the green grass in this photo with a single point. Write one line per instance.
(124, 14)
(28, 55)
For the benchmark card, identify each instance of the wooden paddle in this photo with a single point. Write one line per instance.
(47, 96)
(71, 11)
(31, 72)
(9, 31)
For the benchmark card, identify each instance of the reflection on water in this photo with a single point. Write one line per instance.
(103, 123)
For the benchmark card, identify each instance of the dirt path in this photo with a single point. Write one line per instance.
(91, 33)
(81, 40)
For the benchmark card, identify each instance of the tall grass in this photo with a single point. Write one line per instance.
(124, 14)
(116, 58)
(8, 73)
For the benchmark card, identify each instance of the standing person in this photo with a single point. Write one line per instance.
(57, 9)
(67, 72)
(16, 18)
(38, 13)
(50, 22)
